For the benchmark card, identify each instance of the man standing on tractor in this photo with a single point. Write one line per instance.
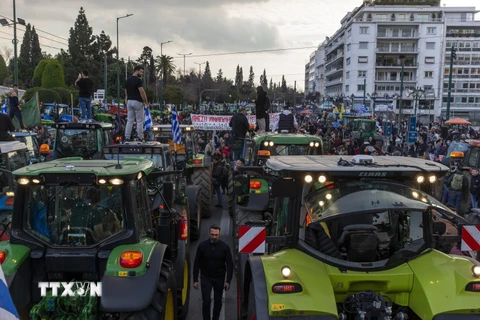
(239, 125)
(135, 95)
(260, 111)
(286, 122)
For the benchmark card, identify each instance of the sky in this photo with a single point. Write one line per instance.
(200, 27)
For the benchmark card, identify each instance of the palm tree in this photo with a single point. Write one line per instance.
(165, 67)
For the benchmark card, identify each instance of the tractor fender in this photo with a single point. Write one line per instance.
(128, 294)
(19, 285)
(178, 265)
(259, 287)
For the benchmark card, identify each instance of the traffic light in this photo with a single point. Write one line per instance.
(454, 53)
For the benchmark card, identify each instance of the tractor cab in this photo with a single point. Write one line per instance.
(364, 128)
(31, 141)
(55, 112)
(349, 236)
(84, 140)
(101, 223)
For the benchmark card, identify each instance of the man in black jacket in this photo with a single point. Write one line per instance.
(239, 125)
(213, 260)
(260, 111)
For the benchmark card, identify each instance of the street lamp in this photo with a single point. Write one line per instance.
(199, 82)
(161, 70)
(4, 22)
(402, 57)
(373, 96)
(118, 65)
(184, 55)
(416, 94)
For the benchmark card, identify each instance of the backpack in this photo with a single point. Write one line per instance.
(457, 182)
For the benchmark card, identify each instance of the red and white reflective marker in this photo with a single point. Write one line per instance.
(252, 239)
(470, 238)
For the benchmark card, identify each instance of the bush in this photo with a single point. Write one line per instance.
(52, 76)
(44, 95)
(64, 95)
(29, 93)
(37, 74)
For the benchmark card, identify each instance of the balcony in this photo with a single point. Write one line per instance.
(390, 36)
(396, 50)
(461, 90)
(396, 65)
(334, 45)
(463, 49)
(334, 82)
(396, 79)
(334, 58)
(462, 63)
(333, 71)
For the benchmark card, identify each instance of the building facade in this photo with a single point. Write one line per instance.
(364, 59)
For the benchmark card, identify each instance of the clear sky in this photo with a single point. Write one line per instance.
(200, 27)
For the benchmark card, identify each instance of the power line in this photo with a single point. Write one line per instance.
(51, 34)
(245, 52)
(49, 39)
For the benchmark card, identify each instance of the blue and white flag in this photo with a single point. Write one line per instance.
(177, 136)
(7, 308)
(113, 102)
(147, 125)
(364, 108)
(4, 107)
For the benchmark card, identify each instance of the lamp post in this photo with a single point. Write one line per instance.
(373, 96)
(4, 23)
(105, 76)
(184, 55)
(199, 82)
(118, 65)
(161, 71)
(402, 57)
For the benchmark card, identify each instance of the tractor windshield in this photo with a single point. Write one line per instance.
(373, 221)
(292, 150)
(11, 161)
(76, 143)
(32, 144)
(157, 159)
(74, 215)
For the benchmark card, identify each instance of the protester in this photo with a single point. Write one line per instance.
(15, 107)
(286, 122)
(214, 261)
(240, 126)
(135, 95)
(260, 111)
(85, 92)
(475, 187)
(217, 178)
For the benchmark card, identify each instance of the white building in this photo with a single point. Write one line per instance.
(314, 72)
(364, 58)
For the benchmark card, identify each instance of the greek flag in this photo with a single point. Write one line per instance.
(4, 107)
(7, 308)
(364, 108)
(147, 125)
(177, 136)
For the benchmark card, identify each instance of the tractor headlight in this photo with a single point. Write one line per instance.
(308, 178)
(475, 271)
(432, 179)
(36, 181)
(116, 181)
(328, 196)
(139, 176)
(286, 271)
(102, 181)
(420, 179)
(23, 181)
(271, 143)
(317, 144)
(312, 144)
(322, 179)
(265, 143)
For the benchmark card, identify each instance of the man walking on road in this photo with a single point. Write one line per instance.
(135, 95)
(213, 260)
(85, 91)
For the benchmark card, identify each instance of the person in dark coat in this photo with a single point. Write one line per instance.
(239, 125)
(217, 176)
(260, 111)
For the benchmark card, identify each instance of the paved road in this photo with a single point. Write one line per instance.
(222, 218)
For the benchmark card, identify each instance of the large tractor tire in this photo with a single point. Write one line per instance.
(194, 208)
(202, 177)
(183, 295)
(163, 305)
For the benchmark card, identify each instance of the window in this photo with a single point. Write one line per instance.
(347, 74)
(363, 45)
(142, 202)
(348, 61)
(431, 30)
(349, 32)
(423, 17)
(382, 17)
(363, 59)
(430, 45)
(363, 30)
(349, 46)
(362, 73)
(429, 59)
(347, 88)
(428, 74)
(360, 87)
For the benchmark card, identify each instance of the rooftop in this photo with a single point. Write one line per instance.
(8, 146)
(286, 138)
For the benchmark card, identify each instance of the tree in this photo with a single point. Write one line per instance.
(25, 71)
(38, 73)
(3, 70)
(166, 67)
(145, 59)
(207, 80)
(219, 76)
(239, 78)
(264, 80)
(35, 50)
(284, 88)
(52, 76)
(251, 78)
(270, 87)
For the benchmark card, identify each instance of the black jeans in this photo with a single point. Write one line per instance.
(207, 284)
(14, 111)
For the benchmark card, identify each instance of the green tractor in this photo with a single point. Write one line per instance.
(84, 140)
(258, 151)
(355, 238)
(365, 129)
(161, 155)
(188, 157)
(80, 225)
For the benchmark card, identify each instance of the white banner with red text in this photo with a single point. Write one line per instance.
(214, 122)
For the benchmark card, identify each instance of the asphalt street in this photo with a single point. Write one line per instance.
(221, 217)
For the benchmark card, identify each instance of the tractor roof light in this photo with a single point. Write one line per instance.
(432, 179)
(317, 144)
(116, 181)
(3, 256)
(420, 179)
(322, 179)
(476, 271)
(312, 144)
(10, 194)
(286, 271)
(36, 181)
(308, 178)
(139, 175)
(23, 181)
(457, 154)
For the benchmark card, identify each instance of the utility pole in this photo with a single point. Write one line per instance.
(184, 55)
(200, 83)
(15, 42)
(118, 66)
(364, 90)
(401, 95)
(161, 71)
(295, 94)
(453, 55)
(105, 76)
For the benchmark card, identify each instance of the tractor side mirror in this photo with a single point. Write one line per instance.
(169, 193)
(242, 184)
